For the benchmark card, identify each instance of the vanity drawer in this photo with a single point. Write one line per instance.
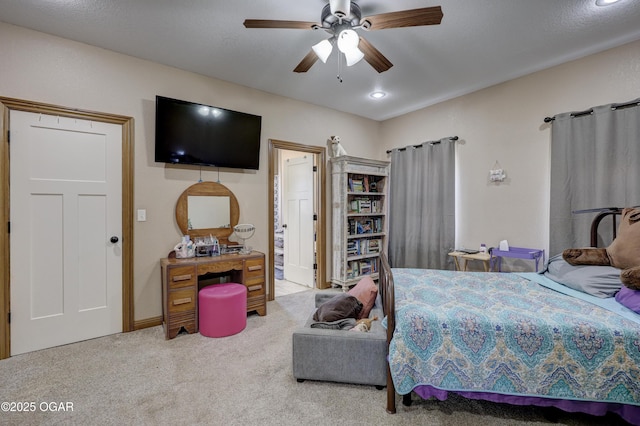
(255, 287)
(182, 276)
(254, 268)
(182, 300)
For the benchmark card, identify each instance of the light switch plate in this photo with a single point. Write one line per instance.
(142, 215)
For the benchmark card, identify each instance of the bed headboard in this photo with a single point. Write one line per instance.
(385, 279)
(387, 293)
(614, 212)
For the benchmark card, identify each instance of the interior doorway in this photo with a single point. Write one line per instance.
(126, 125)
(294, 211)
(66, 227)
(279, 152)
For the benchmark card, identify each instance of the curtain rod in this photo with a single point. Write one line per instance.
(590, 110)
(452, 138)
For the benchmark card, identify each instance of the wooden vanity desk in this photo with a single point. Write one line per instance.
(180, 286)
(207, 209)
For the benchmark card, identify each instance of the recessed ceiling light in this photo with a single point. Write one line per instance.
(605, 2)
(378, 95)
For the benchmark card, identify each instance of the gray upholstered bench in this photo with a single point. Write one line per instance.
(341, 355)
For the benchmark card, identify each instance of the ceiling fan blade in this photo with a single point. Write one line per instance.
(406, 18)
(372, 55)
(268, 23)
(306, 62)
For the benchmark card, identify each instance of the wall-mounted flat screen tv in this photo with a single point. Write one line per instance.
(190, 133)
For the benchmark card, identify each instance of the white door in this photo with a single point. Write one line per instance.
(298, 216)
(66, 205)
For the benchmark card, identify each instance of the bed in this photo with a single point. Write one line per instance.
(518, 338)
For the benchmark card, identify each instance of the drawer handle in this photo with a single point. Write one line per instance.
(182, 277)
(254, 268)
(254, 287)
(182, 301)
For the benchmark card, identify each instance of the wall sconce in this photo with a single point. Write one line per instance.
(496, 173)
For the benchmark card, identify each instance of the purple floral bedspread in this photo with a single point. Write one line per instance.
(501, 333)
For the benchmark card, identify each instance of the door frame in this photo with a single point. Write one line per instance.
(8, 104)
(320, 153)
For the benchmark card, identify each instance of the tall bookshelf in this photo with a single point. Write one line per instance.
(359, 221)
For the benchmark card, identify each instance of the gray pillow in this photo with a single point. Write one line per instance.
(599, 281)
(341, 324)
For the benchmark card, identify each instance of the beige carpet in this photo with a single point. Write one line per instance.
(141, 378)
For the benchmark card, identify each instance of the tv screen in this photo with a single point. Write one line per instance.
(190, 133)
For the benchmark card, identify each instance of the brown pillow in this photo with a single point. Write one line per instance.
(338, 307)
(366, 291)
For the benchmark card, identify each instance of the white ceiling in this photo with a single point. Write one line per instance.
(478, 44)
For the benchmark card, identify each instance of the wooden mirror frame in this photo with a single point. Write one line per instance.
(212, 189)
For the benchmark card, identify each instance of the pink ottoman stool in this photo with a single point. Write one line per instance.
(222, 309)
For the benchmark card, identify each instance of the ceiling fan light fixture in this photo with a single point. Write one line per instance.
(323, 50)
(348, 40)
(340, 18)
(353, 56)
(348, 44)
(340, 8)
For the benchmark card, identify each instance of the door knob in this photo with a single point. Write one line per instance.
(284, 226)
(114, 239)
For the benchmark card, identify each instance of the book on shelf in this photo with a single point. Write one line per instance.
(357, 268)
(355, 184)
(365, 268)
(360, 205)
(353, 269)
(365, 226)
(358, 247)
(373, 245)
(353, 248)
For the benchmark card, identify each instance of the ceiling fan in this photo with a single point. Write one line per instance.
(340, 18)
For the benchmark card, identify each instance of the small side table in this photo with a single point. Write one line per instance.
(485, 258)
(518, 253)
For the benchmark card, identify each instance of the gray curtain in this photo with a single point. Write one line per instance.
(595, 162)
(422, 205)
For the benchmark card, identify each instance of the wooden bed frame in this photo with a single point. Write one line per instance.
(595, 223)
(388, 300)
(389, 307)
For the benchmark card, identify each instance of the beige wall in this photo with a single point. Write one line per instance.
(38, 67)
(504, 123)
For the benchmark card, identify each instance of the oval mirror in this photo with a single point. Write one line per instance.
(207, 208)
